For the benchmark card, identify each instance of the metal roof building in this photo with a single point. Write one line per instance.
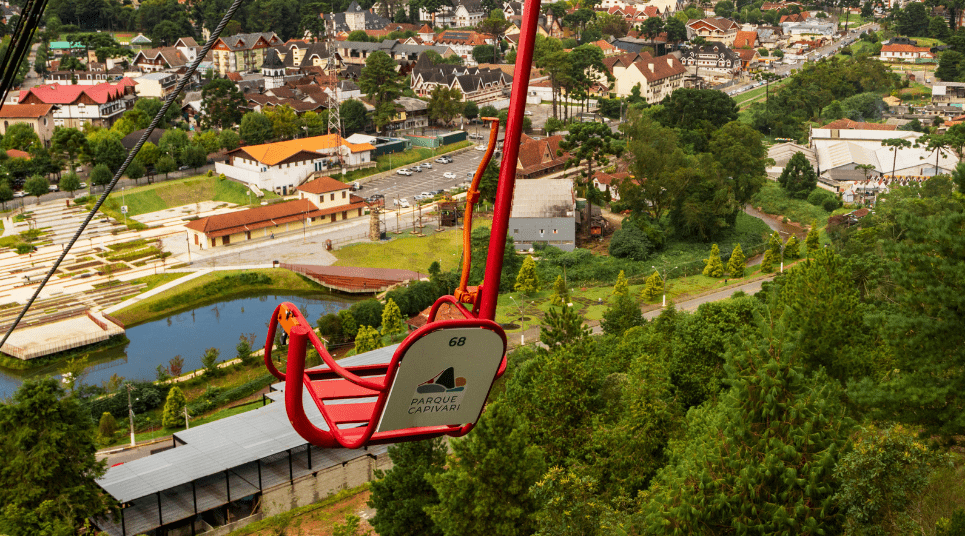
(221, 469)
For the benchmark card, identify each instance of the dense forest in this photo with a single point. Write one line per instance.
(829, 403)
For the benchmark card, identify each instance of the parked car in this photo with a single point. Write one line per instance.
(527, 112)
(417, 169)
(427, 195)
(184, 168)
(53, 188)
(83, 185)
(20, 193)
(449, 175)
(403, 203)
(426, 165)
(417, 197)
(443, 160)
(480, 147)
(404, 172)
(356, 186)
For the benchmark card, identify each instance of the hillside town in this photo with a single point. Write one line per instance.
(729, 298)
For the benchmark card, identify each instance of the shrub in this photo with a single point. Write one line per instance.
(244, 348)
(174, 408)
(175, 365)
(145, 396)
(107, 426)
(714, 266)
(630, 243)
(210, 361)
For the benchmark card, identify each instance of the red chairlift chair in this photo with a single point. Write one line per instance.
(439, 377)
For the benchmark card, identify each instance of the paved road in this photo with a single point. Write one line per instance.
(394, 186)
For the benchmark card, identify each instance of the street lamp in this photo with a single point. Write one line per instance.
(663, 278)
(782, 250)
(522, 336)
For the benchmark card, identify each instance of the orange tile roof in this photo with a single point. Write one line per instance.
(17, 153)
(323, 185)
(267, 216)
(904, 48)
(745, 39)
(273, 153)
(33, 111)
(847, 124)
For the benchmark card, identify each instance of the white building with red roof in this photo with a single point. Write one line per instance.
(714, 29)
(906, 53)
(77, 105)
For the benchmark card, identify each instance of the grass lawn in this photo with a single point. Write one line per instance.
(193, 293)
(409, 253)
(772, 199)
(318, 518)
(164, 195)
(746, 98)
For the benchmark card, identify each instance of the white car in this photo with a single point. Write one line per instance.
(426, 165)
(83, 185)
(426, 195)
(403, 204)
(527, 112)
(405, 172)
(21, 193)
(480, 147)
(442, 160)
(449, 175)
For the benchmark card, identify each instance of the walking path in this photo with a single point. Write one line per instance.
(157, 290)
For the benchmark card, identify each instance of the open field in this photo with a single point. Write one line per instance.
(749, 97)
(176, 193)
(410, 253)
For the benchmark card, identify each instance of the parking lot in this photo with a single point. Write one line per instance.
(397, 186)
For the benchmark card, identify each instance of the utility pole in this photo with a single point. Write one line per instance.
(188, 242)
(130, 414)
(187, 425)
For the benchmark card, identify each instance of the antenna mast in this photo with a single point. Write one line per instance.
(331, 70)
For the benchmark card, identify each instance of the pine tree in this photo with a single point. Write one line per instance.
(737, 263)
(761, 460)
(561, 326)
(653, 288)
(486, 489)
(792, 249)
(813, 240)
(560, 295)
(767, 261)
(401, 494)
(527, 281)
(173, 416)
(622, 315)
(392, 322)
(622, 286)
(107, 425)
(367, 339)
(714, 266)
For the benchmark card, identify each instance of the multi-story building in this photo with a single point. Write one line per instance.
(39, 116)
(158, 59)
(657, 77)
(157, 85)
(480, 85)
(714, 58)
(714, 29)
(462, 43)
(77, 105)
(243, 52)
(282, 166)
(357, 18)
(355, 52)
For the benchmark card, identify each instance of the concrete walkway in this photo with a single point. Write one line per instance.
(155, 291)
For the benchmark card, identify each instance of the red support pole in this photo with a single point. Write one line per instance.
(507, 172)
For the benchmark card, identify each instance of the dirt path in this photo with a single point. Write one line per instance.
(320, 521)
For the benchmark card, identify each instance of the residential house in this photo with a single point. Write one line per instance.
(905, 53)
(749, 58)
(714, 58)
(77, 105)
(465, 14)
(948, 93)
(657, 77)
(332, 197)
(412, 114)
(158, 59)
(795, 17)
(157, 85)
(265, 221)
(357, 18)
(353, 52)
(81, 78)
(480, 85)
(539, 157)
(281, 166)
(40, 117)
(809, 28)
(609, 182)
(462, 43)
(544, 212)
(242, 52)
(426, 33)
(188, 47)
(746, 39)
(714, 29)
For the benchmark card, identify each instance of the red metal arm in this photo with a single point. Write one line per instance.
(507, 171)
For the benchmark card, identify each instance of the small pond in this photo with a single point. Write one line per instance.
(188, 334)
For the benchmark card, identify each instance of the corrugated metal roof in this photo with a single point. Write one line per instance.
(543, 198)
(226, 444)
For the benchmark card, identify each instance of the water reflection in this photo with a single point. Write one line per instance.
(188, 333)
